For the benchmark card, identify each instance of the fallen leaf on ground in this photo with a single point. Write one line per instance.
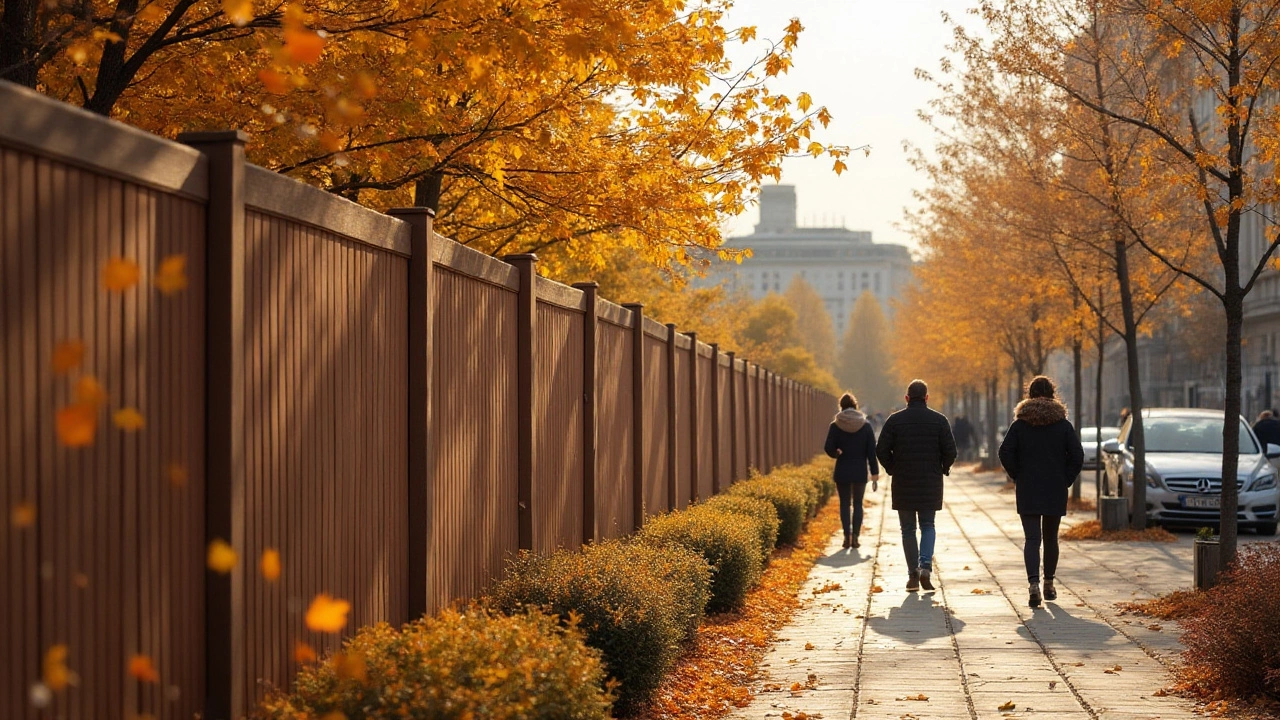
(876, 589)
(1053, 684)
(1160, 693)
(978, 591)
(920, 697)
(808, 646)
(1007, 706)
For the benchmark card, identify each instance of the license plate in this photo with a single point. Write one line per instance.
(1209, 502)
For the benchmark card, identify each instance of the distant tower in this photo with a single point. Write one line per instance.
(777, 209)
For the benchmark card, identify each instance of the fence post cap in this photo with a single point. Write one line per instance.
(209, 137)
(588, 285)
(520, 257)
(430, 212)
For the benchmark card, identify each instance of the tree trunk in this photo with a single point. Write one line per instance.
(1138, 520)
(426, 193)
(1227, 528)
(993, 451)
(1077, 350)
(113, 76)
(1097, 407)
(18, 42)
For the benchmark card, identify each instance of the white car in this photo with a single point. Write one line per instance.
(1091, 438)
(1184, 470)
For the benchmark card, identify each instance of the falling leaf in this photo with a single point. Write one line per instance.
(67, 356)
(23, 515)
(40, 696)
(78, 52)
(270, 564)
(302, 45)
(120, 274)
(350, 666)
(90, 392)
(56, 673)
(171, 275)
(1007, 706)
(327, 614)
(221, 557)
(128, 419)
(76, 424)
(81, 580)
(303, 653)
(177, 474)
(275, 82)
(239, 12)
(143, 669)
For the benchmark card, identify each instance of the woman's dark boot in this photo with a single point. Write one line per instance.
(848, 540)
(1034, 595)
(913, 581)
(1050, 592)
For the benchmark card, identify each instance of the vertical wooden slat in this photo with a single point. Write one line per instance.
(714, 413)
(672, 403)
(590, 430)
(637, 414)
(526, 391)
(695, 448)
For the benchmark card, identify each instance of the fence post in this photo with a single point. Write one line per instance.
(714, 412)
(590, 432)
(420, 321)
(637, 413)
(694, 418)
(225, 692)
(526, 388)
(734, 420)
(673, 413)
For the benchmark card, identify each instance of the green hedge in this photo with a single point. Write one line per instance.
(761, 513)
(789, 501)
(458, 664)
(727, 541)
(633, 609)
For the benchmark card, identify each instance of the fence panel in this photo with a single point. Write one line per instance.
(683, 414)
(655, 414)
(110, 565)
(557, 480)
(614, 505)
(703, 447)
(727, 422)
(325, 437)
(473, 487)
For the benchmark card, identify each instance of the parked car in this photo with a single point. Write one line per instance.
(1091, 438)
(1184, 470)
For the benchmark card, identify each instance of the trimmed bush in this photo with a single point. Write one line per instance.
(1233, 639)
(761, 512)
(458, 664)
(730, 545)
(789, 501)
(634, 613)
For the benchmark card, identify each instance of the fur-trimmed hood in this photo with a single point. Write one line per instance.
(1040, 411)
(850, 420)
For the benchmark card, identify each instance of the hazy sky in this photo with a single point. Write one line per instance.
(858, 57)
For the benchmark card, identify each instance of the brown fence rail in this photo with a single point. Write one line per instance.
(392, 412)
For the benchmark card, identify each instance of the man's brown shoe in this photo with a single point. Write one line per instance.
(913, 582)
(924, 579)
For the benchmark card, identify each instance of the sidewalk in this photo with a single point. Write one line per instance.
(863, 647)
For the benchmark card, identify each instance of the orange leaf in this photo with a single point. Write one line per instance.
(143, 669)
(90, 392)
(302, 45)
(239, 12)
(67, 356)
(270, 564)
(128, 419)
(303, 653)
(327, 614)
(76, 424)
(171, 276)
(221, 557)
(56, 674)
(23, 515)
(1007, 706)
(275, 82)
(120, 274)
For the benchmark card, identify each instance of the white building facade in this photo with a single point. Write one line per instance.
(840, 264)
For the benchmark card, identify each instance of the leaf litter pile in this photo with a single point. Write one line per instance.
(1092, 530)
(713, 676)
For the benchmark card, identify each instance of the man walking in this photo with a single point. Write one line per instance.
(963, 432)
(916, 448)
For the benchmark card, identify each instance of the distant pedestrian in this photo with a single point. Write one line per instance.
(1124, 415)
(916, 448)
(1042, 454)
(963, 432)
(1267, 428)
(852, 442)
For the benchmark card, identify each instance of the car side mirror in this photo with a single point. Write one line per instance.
(1273, 451)
(1112, 446)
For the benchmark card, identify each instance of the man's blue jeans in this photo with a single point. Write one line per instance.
(918, 556)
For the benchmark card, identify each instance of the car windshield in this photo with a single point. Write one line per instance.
(1090, 434)
(1191, 435)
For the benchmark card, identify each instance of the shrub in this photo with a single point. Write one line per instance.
(1233, 640)
(788, 501)
(458, 664)
(688, 575)
(634, 614)
(729, 545)
(761, 512)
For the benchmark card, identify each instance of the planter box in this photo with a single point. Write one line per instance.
(1205, 563)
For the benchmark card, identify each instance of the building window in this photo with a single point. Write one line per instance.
(841, 288)
(877, 283)
(865, 283)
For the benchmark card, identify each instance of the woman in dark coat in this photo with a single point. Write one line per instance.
(852, 442)
(1042, 453)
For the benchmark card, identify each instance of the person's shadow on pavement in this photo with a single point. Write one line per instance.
(1055, 625)
(845, 557)
(916, 620)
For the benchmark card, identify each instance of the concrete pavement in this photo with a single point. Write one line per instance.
(863, 647)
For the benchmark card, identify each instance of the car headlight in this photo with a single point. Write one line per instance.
(1264, 482)
(1153, 482)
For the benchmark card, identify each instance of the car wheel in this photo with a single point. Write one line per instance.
(1267, 529)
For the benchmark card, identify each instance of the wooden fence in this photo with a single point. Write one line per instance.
(393, 412)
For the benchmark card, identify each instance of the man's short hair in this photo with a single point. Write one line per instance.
(917, 390)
